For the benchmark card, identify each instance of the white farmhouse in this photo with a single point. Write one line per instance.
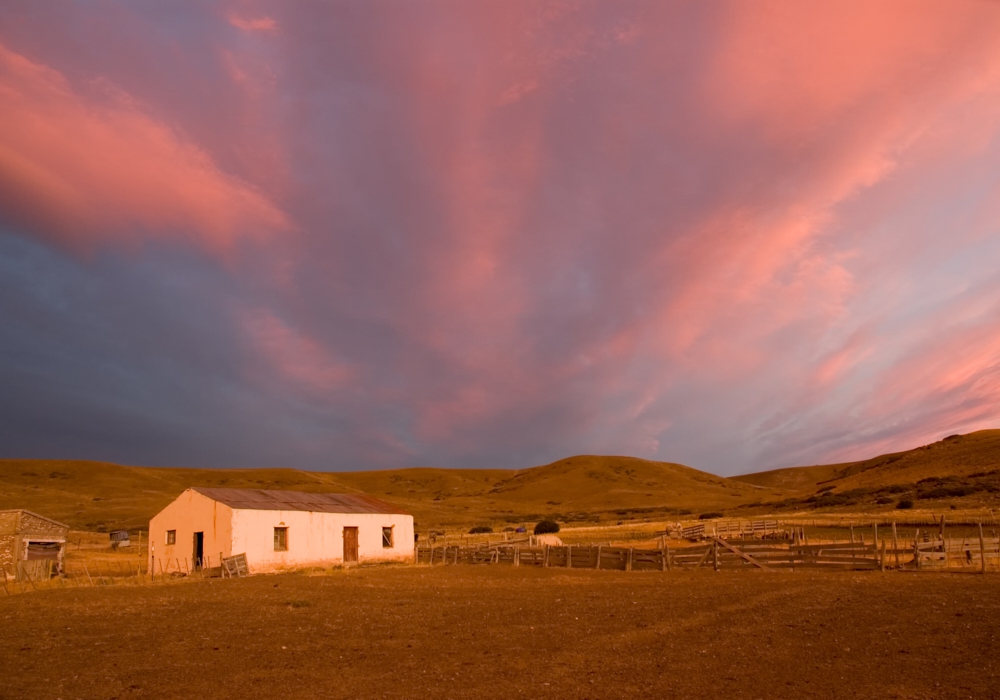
(276, 529)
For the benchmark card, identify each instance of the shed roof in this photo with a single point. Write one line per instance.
(266, 499)
(21, 511)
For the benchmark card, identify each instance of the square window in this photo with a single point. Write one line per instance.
(171, 536)
(387, 537)
(281, 539)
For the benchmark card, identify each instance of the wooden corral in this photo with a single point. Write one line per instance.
(30, 544)
(797, 552)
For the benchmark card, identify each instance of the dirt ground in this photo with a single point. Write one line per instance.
(504, 632)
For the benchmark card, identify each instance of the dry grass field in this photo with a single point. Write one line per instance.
(501, 632)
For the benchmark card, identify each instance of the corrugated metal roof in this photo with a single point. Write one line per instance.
(265, 499)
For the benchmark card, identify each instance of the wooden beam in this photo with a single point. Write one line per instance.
(743, 555)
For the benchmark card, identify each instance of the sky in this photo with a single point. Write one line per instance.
(376, 234)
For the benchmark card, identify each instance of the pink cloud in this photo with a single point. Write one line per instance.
(90, 171)
(293, 356)
(254, 24)
(517, 91)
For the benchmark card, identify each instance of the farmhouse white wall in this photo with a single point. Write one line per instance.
(313, 537)
(191, 512)
(317, 538)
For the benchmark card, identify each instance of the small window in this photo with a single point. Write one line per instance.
(387, 537)
(281, 539)
(171, 536)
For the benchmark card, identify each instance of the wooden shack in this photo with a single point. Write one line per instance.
(30, 544)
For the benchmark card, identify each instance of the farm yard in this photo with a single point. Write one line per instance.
(396, 631)
(626, 602)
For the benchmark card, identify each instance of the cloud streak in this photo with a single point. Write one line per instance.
(91, 171)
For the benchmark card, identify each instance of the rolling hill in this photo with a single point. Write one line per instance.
(955, 456)
(960, 467)
(101, 496)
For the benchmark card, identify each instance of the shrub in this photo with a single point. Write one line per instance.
(481, 529)
(709, 516)
(546, 527)
(905, 504)
(883, 501)
(955, 491)
(896, 488)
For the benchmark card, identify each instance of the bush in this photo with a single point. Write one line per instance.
(546, 527)
(905, 504)
(946, 492)
(481, 529)
(883, 501)
(709, 516)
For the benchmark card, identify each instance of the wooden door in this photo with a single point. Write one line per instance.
(350, 544)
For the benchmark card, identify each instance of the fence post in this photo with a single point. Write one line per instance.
(982, 547)
(628, 562)
(895, 545)
(598, 564)
(916, 547)
(569, 556)
(545, 557)
(715, 554)
(666, 555)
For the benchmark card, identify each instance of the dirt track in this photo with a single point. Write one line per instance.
(475, 632)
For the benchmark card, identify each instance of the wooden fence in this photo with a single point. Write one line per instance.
(36, 576)
(929, 552)
(717, 553)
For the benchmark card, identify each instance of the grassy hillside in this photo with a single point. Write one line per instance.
(961, 469)
(100, 496)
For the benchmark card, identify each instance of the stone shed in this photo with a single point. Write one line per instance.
(30, 544)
